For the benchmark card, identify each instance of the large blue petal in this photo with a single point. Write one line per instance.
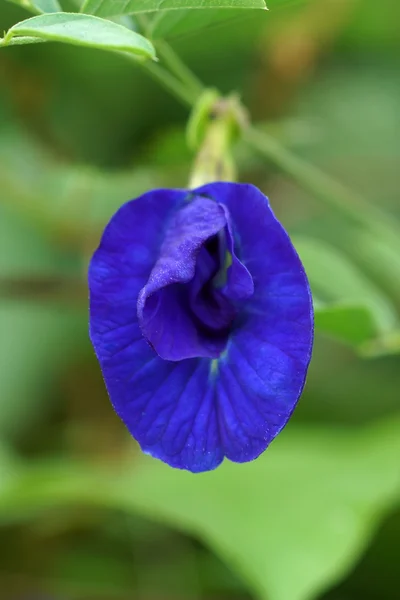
(194, 412)
(121, 265)
(261, 374)
(167, 406)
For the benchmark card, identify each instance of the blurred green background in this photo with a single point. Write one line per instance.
(83, 516)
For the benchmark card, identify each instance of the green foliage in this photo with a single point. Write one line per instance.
(310, 505)
(39, 6)
(352, 324)
(112, 8)
(35, 335)
(174, 23)
(83, 514)
(64, 200)
(80, 30)
(334, 279)
(307, 507)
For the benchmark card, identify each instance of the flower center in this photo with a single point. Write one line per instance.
(195, 289)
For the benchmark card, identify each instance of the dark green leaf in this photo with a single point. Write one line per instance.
(69, 201)
(383, 346)
(335, 279)
(81, 30)
(169, 24)
(182, 22)
(36, 337)
(307, 507)
(39, 6)
(351, 324)
(310, 503)
(112, 8)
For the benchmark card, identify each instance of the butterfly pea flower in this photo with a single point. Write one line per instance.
(201, 318)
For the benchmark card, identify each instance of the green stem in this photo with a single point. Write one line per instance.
(213, 161)
(171, 83)
(215, 125)
(173, 61)
(310, 178)
(331, 192)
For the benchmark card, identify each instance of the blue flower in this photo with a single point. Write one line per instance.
(201, 318)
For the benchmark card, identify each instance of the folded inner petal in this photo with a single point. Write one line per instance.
(239, 283)
(183, 310)
(207, 303)
(260, 376)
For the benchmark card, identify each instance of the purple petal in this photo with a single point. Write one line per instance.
(207, 303)
(123, 262)
(167, 406)
(239, 285)
(164, 309)
(262, 372)
(192, 413)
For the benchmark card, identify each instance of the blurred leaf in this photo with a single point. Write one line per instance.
(181, 22)
(36, 339)
(112, 8)
(69, 201)
(383, 346)
(9, 467)
(92, 571)
(335, 279)
(378, 258)
(352, 324)
(47, 6)
(81, 30)
(377, 576)
(39, 6)
(372, 30)
(36, 345)
(353, 111)
(307, 507)
(175, 23)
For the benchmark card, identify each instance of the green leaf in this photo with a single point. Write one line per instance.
(81, 30)
(8, 467)
(112, 8)
(354, 325)
(378, 258)
(36, 337)
(383, 346)
(47, 6)
(39, 6)
(334, 279)
(70, 202)
(169, 24)
(307, 507)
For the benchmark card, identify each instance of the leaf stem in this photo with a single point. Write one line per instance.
(331, 192)
(340, 199)
(178, 89)
(178, 67)
(174, 63)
